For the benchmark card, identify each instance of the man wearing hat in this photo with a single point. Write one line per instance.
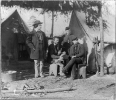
(37, 42)
(67, 41)
(67, 36)
(77, 56)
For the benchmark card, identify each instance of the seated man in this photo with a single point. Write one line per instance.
(77, 56)
(56, 56)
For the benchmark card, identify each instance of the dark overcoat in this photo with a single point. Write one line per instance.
(53, 52)
(78, 51)
(37, 42)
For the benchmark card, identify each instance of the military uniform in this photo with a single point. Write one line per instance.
(37, 41)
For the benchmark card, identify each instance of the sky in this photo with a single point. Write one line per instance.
(60, 22)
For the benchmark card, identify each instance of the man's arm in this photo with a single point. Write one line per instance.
(81, 51)
(55, 56)
(71, 53)
(29, 42)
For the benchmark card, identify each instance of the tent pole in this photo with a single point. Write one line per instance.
(115, 57)
(52, 29)
(102, 43)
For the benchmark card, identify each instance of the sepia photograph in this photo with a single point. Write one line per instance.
(58, 50)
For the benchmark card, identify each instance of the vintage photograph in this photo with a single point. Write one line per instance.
(58, 49)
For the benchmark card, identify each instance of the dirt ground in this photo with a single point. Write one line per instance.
(93, 87)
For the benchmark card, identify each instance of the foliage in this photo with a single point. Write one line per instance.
(91, 9)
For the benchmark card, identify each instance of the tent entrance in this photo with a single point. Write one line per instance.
(23, 53)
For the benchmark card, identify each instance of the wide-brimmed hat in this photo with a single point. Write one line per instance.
(37, 22)
(74, 38)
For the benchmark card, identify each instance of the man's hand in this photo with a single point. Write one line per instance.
(34, 49)
(59, 52)
(73, 56)
(60, 58)
(63, 53)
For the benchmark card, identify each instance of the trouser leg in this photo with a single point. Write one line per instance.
(55, 70)
(61, 67)
(36, 65)
(41, 68)
(50, 69)
(73, 71)
(70, 64)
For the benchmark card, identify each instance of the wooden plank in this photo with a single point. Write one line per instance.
(39, 91)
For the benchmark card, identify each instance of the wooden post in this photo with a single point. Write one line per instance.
(115, 56)
(102, 43)
(52, 29)
(0, 62)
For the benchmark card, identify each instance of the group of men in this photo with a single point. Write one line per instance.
(67, 55)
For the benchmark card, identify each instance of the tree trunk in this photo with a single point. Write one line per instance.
(52, 29)
(102, 44)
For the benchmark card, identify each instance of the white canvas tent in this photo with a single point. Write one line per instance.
(81, 30)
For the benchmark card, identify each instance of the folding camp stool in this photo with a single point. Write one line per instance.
(54, 69)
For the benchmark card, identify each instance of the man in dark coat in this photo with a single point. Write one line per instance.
(56, 55)
(37, 42)
(54, 50)
(77, 57)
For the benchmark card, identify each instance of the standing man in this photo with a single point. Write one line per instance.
(37, 42)
(67, 41)
(77, 57)
(67, 36)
